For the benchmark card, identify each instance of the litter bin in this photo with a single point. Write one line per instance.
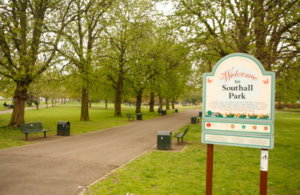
(194, 120)
(200, 113)
(164, 112)
(164, 140)
(176, 110)
(63, 128)
(139, 116)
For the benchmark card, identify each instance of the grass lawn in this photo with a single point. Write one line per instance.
(100, 119)
(236, 169)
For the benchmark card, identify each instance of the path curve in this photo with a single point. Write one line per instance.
(61, 166)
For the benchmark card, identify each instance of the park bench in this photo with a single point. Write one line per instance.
(181, 135)
(129, 116)
(8, 105)
(33, 128)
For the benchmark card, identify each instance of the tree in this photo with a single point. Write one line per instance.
(29, 36)
(269, 30)
(81, 38)
(127, 17)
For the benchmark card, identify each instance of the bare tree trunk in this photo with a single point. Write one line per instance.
(167, 104)
(36, 102)
(279, 105)
(84, 104)
(20, 97)
(118, 104)
(173, 103)
(151, 103)
(160, 102)
(118, 98)
(138, 102)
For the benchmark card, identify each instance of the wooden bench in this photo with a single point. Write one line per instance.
(129, 116)
(181, 135)
(33, 128)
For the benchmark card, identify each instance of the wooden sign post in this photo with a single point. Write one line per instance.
(238, 109)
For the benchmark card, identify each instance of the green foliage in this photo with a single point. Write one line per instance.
(287, 83)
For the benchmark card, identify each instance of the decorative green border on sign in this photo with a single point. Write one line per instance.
(240, 132)
(271, 138)
(272, 74)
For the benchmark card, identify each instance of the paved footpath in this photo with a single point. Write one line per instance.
(61, 166)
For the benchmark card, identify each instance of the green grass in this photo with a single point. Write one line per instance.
(100, 119)
(236, 169)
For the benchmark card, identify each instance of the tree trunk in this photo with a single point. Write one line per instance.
(151, 103)
(173, 104)
(46, 99)
(118, 104)
(106, 103)
(138, 102)
(37, 102)
(167, 104)
(84, 104)
(20, 97)
(160, 102)
(118, 98)
(90, 103)
(279, 105)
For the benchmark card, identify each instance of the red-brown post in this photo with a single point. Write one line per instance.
(209, 168)
(264, 171)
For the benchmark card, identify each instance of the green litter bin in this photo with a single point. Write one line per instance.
(194, 120)
(164, 140)
(139, 116)
(200, 113)
(63, 128)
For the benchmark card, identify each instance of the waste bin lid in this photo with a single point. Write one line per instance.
(138, 113)
(63, 123)
(164, 133)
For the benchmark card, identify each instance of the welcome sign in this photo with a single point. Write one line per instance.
(239, 103)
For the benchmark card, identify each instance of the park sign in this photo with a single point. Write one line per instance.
(238, 103)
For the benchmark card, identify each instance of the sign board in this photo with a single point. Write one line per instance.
(239, 103)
